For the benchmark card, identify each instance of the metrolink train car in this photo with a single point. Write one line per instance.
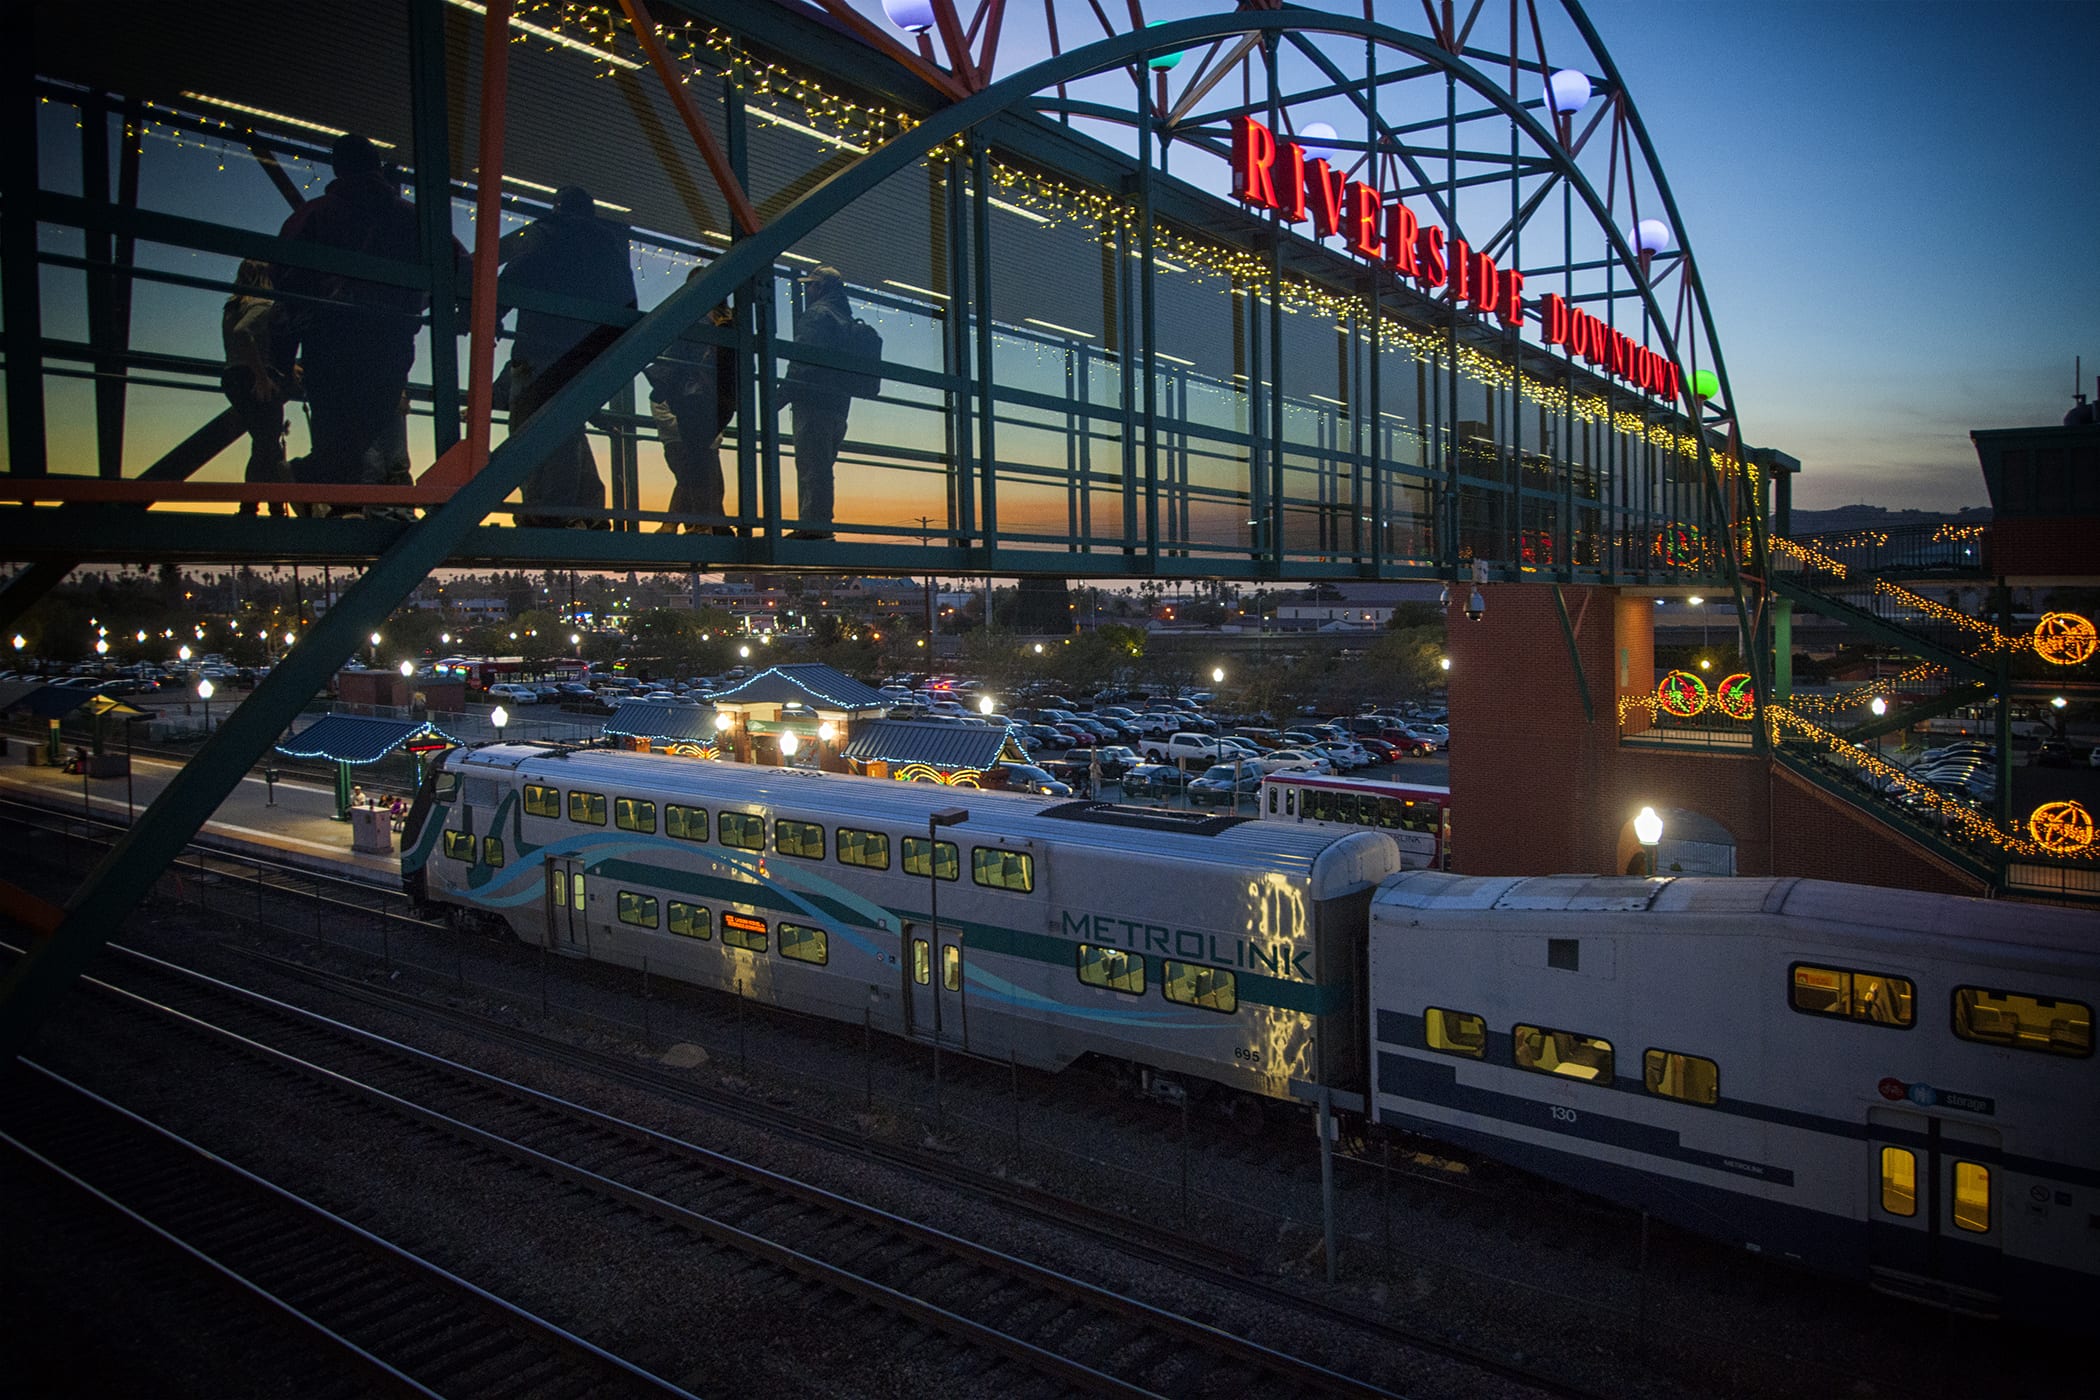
(1198, 950)
(1885, 1084)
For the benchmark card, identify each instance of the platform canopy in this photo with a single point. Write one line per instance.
(929, 749)
(358, 738)
(807, 683)
(41, 701)
(663, 724)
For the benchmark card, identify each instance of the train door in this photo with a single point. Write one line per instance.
(568, 906)
(1933, 1214)
(935, 984)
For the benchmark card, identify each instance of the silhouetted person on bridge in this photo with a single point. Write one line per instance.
(253, 381)
(356, 339)
(818, 397)
(693, 397)
(574, 253)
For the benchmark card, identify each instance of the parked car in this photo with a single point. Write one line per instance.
(507, 693)
(1199, 750)
(1116, 760)
(1222, 787)
(1298, 760)
(1153, 780)
(1026, 777)
(1049, 736)
(2057, 753)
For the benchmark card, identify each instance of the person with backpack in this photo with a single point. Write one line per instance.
(692, 396)
(572, 252)
(252, 380)
(819, 396)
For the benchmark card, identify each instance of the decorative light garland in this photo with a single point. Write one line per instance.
(1864, 692)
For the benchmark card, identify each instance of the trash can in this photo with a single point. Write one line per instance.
(371, 830)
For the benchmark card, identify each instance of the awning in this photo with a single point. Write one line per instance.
(809, 683)
(949, 748)
(57, 701)
(663, 724)
(359, 738)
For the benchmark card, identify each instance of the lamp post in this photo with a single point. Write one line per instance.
(789, 742)
(204, 694)
(946, 816)
(499, 717)
(1880, 707)
(1648, 830)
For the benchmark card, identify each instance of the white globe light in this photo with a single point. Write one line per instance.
(723, 721)
(1651, 236)
(744, 652)
(183, 652)
(1568, 91)
(1648, 827)
(375, 639)
(290, 637)
(1318, 140)
(499, 717)
(788, 744)
(985, 705)
(1879, 706)
(408, 668)
(204, 689)
(911, 16)
(101, 648)
(1217, 675)
(827, 731)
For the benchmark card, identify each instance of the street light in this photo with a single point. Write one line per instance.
(1648, 830)
(1217, 675)
(935, 820)
(408, 669)
(204, 694)
(744, 652)
(183, 652)
(499, 717)
(1443, 663)
(985, 705)
(789, 742)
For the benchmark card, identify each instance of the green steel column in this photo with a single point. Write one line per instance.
(432, 137)
(342, 792)
(1782, 649)
(20, 301)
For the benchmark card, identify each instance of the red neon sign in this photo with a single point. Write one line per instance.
(1277, 175)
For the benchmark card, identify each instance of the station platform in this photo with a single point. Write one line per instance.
(297, 828)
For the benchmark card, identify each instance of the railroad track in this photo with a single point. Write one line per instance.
(399, 1322)
(1053, 1333)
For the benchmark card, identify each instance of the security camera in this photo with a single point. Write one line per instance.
(1476, 607)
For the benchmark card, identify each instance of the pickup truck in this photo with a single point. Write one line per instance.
(1201, 750)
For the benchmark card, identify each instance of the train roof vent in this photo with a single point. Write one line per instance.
(1143, 818)
(1599, 893)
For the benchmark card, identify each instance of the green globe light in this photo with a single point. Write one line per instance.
(1706, 384)
(1161, 62)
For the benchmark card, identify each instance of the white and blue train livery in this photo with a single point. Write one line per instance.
(1885, 1084)
(1192, 948)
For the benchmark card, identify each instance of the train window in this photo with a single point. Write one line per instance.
(685, 823)
(542, 801)
(1686, 1077)
(805, 944)
(587, 807)
(460, 845)
(633, 814)
(1899, 1181)
(1873, 997)
(951, 967)
(1454, 1032)
(743, 830)
(1112, 968)
(870, 849)
(637, 909)
(1272, 801)
(921, 962)
(2023, 1022)
(1290, 802)
(793, 838)
(1972, 1196)
(492, 850)
(1002, 870)
(1192, 984)
(1564, 1053)
(691, 920)
(944, 860)
(743, 931)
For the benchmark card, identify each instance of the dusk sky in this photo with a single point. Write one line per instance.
(1891, 204)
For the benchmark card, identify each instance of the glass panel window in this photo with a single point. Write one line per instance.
(1675, 1076)
(634, 814)
(1454, 1032)
(921, 962)
(743, 931)
(1193, 984)
(793, 838)
(685, 823)
(576, 890)
(1899, 1181)
(951, 967)
(1002, 870)
(743, 830)
(1112, 968)
(492, 850)
(587, 807)
(804, 943)
(691, 920)
(944, 858)
(460, 845)
(1874, 997)
(542, 801)
(1972, 1196)
(1564, 1053)
(864, 848)
(2023, 1022)
(637, 909)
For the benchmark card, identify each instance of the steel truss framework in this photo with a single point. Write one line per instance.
(1651, 495)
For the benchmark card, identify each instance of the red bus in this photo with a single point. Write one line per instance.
(1415, 815)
